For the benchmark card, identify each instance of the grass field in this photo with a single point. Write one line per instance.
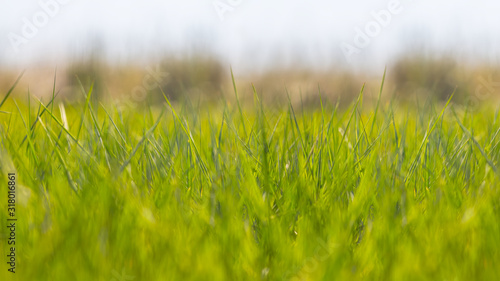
(186, 191)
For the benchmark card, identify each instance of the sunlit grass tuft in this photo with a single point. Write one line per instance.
(183, 192)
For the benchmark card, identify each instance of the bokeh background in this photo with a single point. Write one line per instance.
(429, 48)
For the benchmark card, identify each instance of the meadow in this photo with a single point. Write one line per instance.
(189, 191)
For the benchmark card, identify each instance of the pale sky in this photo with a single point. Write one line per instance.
(249, 34)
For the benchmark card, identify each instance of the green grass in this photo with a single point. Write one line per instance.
(239, 192)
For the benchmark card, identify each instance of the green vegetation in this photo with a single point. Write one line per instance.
(248, 192)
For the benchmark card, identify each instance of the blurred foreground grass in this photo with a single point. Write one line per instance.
(195, 192)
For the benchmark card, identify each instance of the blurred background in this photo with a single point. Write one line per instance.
(129, 49)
